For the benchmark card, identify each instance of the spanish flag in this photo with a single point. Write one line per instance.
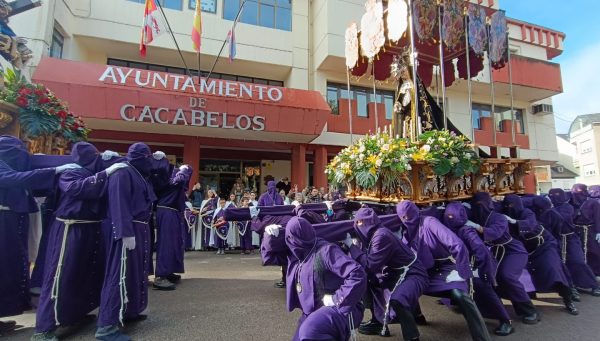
(197, 28)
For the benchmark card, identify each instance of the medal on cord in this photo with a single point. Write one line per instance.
(298, 285)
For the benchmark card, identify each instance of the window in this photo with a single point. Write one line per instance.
(56, 46)
(181, 71)
(172, 4)
(267, 13)
(363, 96)
(586, 146)
(209, 6)
(589, 170)
(502, 113)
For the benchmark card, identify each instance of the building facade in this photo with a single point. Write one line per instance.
(584, 135)
(281, 108)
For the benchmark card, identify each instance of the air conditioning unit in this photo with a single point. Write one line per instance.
(542, 109)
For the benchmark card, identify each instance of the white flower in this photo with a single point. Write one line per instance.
(378, 163)
(468, 156)
(442, 139)
(352, 157)
(361, 149)
(385, 147)
(361, 156)
(408, 166)
(454, 160)
(426, 148)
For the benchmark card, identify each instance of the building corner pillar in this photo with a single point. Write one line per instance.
(299, 166)
(191, 156)
(319, 177)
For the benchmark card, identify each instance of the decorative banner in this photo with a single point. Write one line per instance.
(351, 50)
(425, 14)
(397, 19)
(452, 23)
(477, 32)
(372, 35)
(498, 38)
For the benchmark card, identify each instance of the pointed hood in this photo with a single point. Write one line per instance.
(300, 237)
(87, 156)
(140, 157)
(594, 191)
(410, 216)
(455, 216)
(482, 206)
(558, 196)
(366, 222)
(13, 153)
(541, 204)
(513, 205)
(579, 194)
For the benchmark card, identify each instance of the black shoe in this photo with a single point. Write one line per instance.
(173, 278)
(373, 328)
(280, 285)
(531, 319)
(164, 284)
(7, 326)
(571, 309)
(575, 295)
(138, 318)
(504, 329)
(596, 292)
(421, 320)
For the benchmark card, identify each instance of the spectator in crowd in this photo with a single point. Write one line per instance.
(285, 185)
(196, 195)
(314, 196)
(286, 200)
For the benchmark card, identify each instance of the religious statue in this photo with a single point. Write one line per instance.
(403, 119)
(12, 48)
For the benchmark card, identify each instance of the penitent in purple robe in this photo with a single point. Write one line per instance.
(509, 252)
(397, 278)
(16, 203)
(271, 197)
(488, 302)
(439, 249)
(130, 198)
(570, 245)
(171, 228)
(74, 267)
(587, 223)
(318, 268)
(545, 266)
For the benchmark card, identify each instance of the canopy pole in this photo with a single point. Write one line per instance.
(441, 46)
(493, 93)
(375, 98)
(510, 85)
(415, 63)
(469, 85)
(349, 105)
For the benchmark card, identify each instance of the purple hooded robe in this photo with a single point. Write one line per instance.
(440, 250)
(170, 187)
(587, 223)
(16, 202)
(394, 270)
(509, 252)
(130, 197)
(74, 267)
(570, 245)
(271, 197)
(488, 302)
(594, 192)
(317, 268)
(545, 266)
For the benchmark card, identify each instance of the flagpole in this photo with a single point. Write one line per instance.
(225, 41)
(174, 40)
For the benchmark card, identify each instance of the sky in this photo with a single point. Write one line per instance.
(580, 61)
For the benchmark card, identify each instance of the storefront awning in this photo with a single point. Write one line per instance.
(123, 99)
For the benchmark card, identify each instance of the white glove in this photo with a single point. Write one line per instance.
(471, 224)
(476, 273)
(254, 211)
(348, 241)
(441, 208)
(272, 230)
(466, 204)
(113, 168)
(184, 168)
(188, 205)
(68, 166)
(598, 237)
(453, 276)
(510, 220)
(109, 154)
(129, 243)
(328, 301)
(158, 155)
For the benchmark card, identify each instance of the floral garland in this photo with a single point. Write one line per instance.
(41, 113)
(381, 156)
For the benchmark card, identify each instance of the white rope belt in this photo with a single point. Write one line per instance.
(498, 247)
(586, 231)
(563, 252)
(123, 284)
(404, 270)
(167, 207)
(4, 208)
(61, 257)
(539, 238)
(140, 222)
(450, 258)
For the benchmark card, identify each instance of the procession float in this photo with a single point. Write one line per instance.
(28, 110)
(423, 156)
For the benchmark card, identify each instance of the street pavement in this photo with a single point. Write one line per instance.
(232, 298)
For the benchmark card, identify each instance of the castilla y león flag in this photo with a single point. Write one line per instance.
(197, 27)
(152, 26)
